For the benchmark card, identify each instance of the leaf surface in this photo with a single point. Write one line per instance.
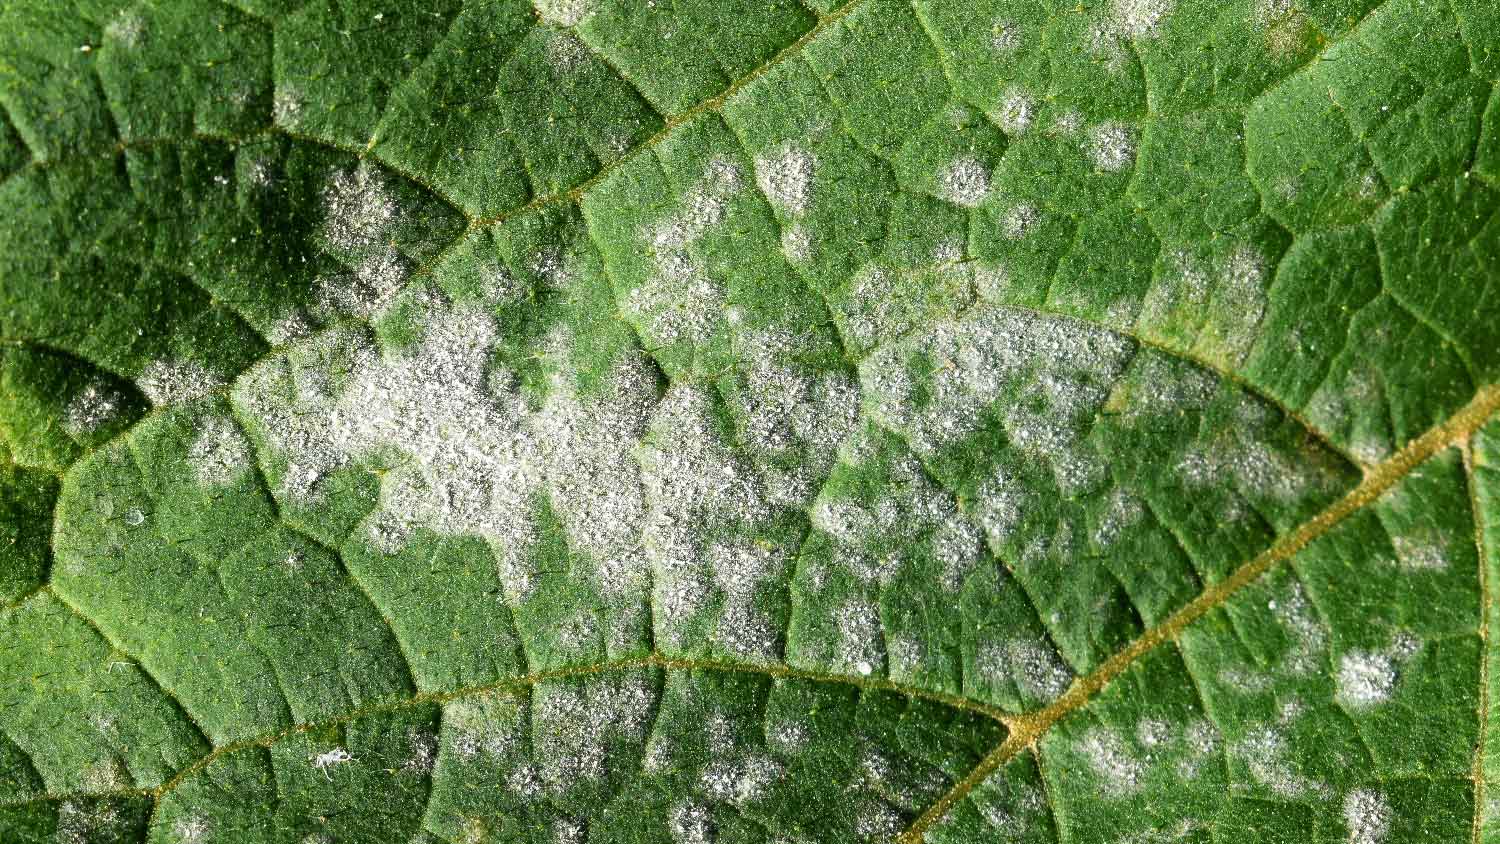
(748, 421)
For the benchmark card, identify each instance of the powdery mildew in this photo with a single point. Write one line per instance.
(91, 407)
(681, 301)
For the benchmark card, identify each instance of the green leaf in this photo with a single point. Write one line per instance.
(749, 421)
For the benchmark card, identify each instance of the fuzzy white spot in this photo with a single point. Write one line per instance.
(1017, 111)
(1366, 679)
(1367, 815)
(965, 181)
(167, 382)
(1112, 147)
(785, 176)
(562, 12)
(91, 407)
(220, 453)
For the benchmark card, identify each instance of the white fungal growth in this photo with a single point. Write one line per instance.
(859, 647)
(789, 410)
(1309, 636)
(741, 571)
(368, 290)
(1032, 665)
(91, 407)
(1139, 18)
(1118, 769)
(1005, 36)
(326, 760)
(295, 325)
(1365, 680)
(489, 725)
(1017, 111)
(1265, 754)
(785, 176)
(569, 831)
(358, 209)
(691, 823)
(1019, 220)
(574, 727)
(964, 181)
(1367, 816)
(193, 829)
(422, 749)
(680, 301)
(1112, 146)
(80, 823)
(125, 29)
(220, 453)
(562, 12)
(797, 243)
(991, 355)
(167, 382)
(1238, 308)
(1421, 553)
(565, 51)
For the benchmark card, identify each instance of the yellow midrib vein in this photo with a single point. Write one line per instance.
(1025, 730)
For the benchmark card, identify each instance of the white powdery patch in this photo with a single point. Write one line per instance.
(562, 12)
(680, 301)
(965, 181)
(797, 243)
(220, 453)
(1007, 357)
(1112, 146)
(574, 728)
(695, 487)
(167, 382)
(1367, 815)
(368, 290)
(358, 209)
(91, 407)
(1017, 111)
(785, 176)
(422, 747)
(79, 823)
(1365, 679)
(740, 570)
(1139, 18)
(1119, 770)
(1019, 221)
(1005, 36)
(872, 308)
(958, 546)
(1033, 665)
(565, 51)
(193, 829)
(639, 485)
(860, 645)
(295, 325)
(1308, 634)
(1266, 755)
(488, 725)
(911, 506)
(691, 823)
(125, 29)
(1240, 305)
(789, 411)
(1421, 553)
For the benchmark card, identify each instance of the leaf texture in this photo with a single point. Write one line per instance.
(748, 421)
